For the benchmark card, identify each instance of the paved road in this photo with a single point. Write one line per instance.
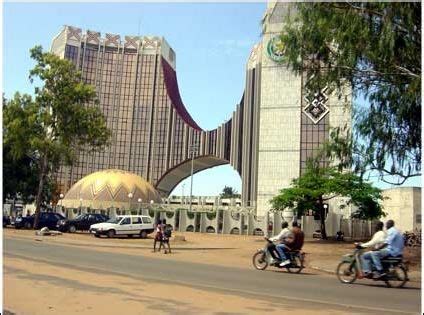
(301, 289)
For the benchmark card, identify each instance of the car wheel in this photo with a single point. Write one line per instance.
(96, 235)
(130, 235)
(72, 229)
(111, 233)
(143, 234)
(28, 225)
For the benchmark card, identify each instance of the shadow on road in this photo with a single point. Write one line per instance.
(291, 273)
(379, 284)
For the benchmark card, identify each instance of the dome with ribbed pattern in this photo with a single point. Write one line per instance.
(110, 188)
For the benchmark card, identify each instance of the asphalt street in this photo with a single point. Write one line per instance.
(303, 289)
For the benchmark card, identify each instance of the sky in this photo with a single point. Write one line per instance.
(212, 42)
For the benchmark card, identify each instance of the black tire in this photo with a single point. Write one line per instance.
(111, 233)
(96, 235)
(28, 225)
(72, 229)
(346, 273)
(400, 273)
(259, 260)
(143, 234)
(299, 263)
(130, 235)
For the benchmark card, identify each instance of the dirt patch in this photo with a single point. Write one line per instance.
(49, 289)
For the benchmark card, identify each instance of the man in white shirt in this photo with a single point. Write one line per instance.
(377, 240)
(285, 238)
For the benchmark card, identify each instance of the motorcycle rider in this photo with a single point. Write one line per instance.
(285, 238)
(392, 246)
(298, 235)
(377, 239)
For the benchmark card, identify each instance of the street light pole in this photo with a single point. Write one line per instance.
(139, 203)
(130, 195)
(60, 203)
(192, 150)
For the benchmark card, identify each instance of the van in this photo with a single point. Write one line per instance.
(129, 225)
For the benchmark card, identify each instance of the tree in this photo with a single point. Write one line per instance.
(20, 178)
(229, 192)
(20, 171)
(318, 185)
(375, 47)
(58, 122)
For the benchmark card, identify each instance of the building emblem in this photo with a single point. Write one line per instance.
(276, 49)
(316, 109)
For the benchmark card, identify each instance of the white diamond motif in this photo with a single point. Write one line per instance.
(316, 109)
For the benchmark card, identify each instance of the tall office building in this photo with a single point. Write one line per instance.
(271, 133)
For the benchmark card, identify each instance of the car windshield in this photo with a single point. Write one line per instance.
(79, 217)
(114, 220)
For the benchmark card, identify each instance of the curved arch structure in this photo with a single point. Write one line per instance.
(175, 175)
(272, 132)
(137, 86)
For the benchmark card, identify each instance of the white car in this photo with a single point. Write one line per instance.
(124, 225)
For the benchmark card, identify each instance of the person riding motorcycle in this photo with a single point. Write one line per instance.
(377, 240)
(298, 235)
(392, 246)
(285, 238)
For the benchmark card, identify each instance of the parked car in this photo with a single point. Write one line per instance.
(47, 219)
(124, 225)
(81, 222)
(6, 220)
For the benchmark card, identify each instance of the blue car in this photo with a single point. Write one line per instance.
(47, 219)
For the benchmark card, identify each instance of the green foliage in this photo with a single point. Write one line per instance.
(229, 192)
(61, 119)
(374, 47)
(320, 184)
(20, 178)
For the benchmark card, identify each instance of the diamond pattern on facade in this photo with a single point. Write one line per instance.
(74, 33)
(112, 40)
(316, 109)
(149, 43)
(131, 41)
(93, 37)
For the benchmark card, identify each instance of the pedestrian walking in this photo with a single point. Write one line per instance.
(158, 235)
(166, 235)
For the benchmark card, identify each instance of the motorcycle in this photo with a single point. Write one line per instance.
(394, 269)
(262, 259)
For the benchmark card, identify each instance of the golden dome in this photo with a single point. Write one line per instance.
(110, 188)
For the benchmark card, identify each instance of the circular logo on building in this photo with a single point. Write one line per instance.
(275, 49)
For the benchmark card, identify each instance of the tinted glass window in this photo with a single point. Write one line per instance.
(126, 221)
(147, 220)
(136, 220)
